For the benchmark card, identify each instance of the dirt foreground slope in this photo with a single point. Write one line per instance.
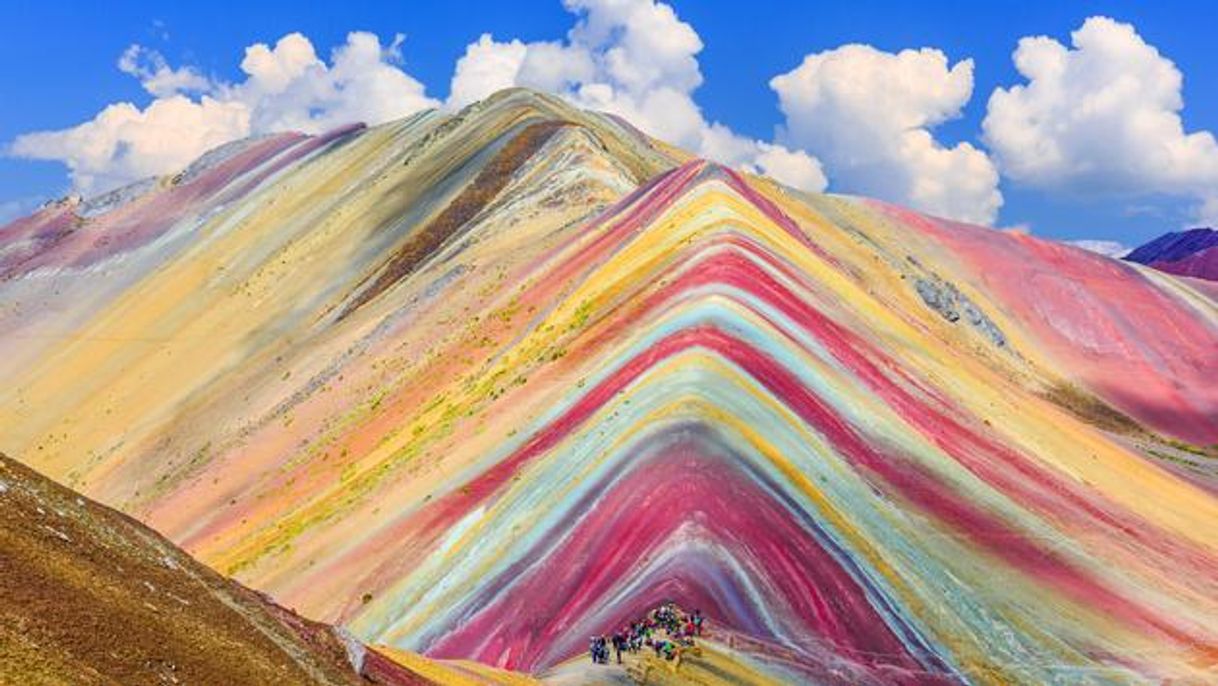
(93, 597)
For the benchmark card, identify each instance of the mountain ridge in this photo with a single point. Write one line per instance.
(1193, 252)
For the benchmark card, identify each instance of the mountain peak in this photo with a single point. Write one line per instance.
(1193, 252)
(482, 385)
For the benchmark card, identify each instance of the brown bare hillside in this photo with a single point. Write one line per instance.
(93, 597)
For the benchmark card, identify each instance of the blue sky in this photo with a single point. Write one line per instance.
(61, 70)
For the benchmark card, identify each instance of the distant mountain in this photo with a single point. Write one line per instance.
(90, 596)
(481, 385)
(1188, 253)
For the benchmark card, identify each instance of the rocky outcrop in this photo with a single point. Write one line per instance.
(943, 297)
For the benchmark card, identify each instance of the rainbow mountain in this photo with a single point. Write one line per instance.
(481, 385)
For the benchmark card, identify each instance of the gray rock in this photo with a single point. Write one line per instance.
(943, 297)
(112, 200)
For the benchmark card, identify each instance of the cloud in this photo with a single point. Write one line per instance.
(795, 168)
(867, 115)
(286, 87)
(634, 58)
(1101, 117)
(1109, 248)
(124, 143)
(487, 66)
(155, 74)
(290, 88)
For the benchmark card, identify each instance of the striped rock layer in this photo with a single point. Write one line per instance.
(479, 386)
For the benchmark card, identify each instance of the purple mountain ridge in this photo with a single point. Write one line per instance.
(1187, 253)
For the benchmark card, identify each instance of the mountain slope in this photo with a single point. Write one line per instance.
(1186, 253)
(92, 597)
(481, 386)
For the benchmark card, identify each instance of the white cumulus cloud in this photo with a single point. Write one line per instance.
(155, 74)
(124, 143)
(634, 58)
(795, 168)
(290, 88)
(1100, 117)
(867, 115)
(487, 66)
(286, 87)
(1102, 247)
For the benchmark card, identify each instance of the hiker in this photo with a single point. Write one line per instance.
(592, 649)
(679, 632)
(600, 650)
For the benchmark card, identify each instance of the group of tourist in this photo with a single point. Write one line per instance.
(679, 630)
